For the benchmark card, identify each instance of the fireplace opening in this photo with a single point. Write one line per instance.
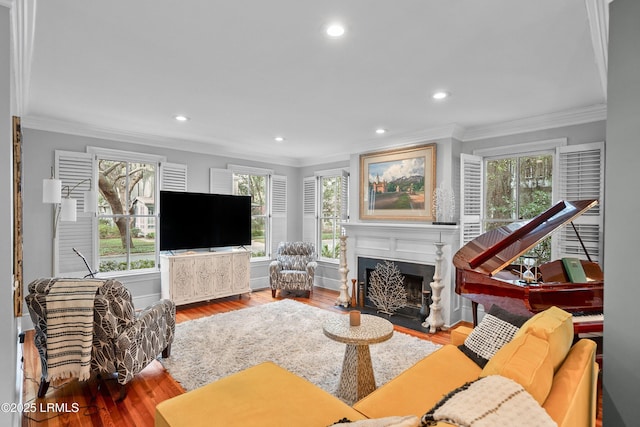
(417, 279)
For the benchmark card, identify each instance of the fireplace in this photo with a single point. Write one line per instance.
(416, 278)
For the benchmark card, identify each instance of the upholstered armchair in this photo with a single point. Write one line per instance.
(294, 267)
(124, 342)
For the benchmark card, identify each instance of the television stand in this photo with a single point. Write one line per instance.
(204, 276)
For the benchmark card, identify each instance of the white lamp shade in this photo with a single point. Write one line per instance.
(68, 210)
(90, 201)
(51, 190)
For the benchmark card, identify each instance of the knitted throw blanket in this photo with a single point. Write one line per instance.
(70, 328)
(488, 402)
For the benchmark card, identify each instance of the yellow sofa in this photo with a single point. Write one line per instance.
(541, 357)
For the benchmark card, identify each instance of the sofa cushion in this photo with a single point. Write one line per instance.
(527, 361)
(265, 395)
(418, 388)
(496, 328)
(554, 325)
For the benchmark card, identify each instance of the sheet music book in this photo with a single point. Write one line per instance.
(574, 270)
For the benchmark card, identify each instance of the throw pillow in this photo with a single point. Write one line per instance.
(496, 328)
(556, 326)
(527, 361)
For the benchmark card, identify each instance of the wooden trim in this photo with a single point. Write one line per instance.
(17, 218)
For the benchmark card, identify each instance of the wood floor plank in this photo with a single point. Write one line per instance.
(154, 384)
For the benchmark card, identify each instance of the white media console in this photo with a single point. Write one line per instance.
(202, 276)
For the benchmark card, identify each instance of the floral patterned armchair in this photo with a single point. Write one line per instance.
(294, 267)
(124, 342)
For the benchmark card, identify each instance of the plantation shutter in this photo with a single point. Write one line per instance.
(580, 175)
(220, 181)
(72, 168)
(471, 197)
(309, 233)
(278, 211)
(173, 177)
(344, 197)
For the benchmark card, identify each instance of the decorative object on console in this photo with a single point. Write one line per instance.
(66, 207)
(398, 184)
(386, 289)
(444, 205)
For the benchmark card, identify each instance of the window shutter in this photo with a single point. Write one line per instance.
(344, 197)
(471, 197)
(72, 168)
(173, 177)
(580, 175)
(309, 229)
(278, 211)
(220, 181)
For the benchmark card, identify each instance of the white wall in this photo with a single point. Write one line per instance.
(8, 327)
(621, 371)
(575, 134)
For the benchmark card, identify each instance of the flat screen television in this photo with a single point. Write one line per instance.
(201, 220)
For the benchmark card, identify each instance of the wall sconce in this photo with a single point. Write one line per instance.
(66, 207)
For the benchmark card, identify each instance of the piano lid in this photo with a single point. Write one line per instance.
(494, 250)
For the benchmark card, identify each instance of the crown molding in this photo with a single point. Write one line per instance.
(598, 16)
(211, 147)
(390, 141)
(558, 119)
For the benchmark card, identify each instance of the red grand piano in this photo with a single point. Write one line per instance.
(485, 273)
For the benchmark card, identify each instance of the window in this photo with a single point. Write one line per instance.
(325, 207)
(255, 185)
(518, 187)
(330, 216)
(122, 236)
(126, 214)
(503, 184)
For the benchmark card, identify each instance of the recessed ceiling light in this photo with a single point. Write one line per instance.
(181, 118)
(440, 95)
(381, 131)
(335, 30)
(279, 138)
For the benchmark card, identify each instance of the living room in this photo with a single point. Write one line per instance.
(42, 136)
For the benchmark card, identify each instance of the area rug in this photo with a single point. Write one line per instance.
(286, 332)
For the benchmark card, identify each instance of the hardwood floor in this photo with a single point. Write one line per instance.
(92, 403)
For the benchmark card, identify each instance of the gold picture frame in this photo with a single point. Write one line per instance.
(398, 184)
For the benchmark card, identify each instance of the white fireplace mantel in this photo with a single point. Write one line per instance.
(409, 243)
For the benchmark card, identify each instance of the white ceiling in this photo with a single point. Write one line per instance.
(245, 71)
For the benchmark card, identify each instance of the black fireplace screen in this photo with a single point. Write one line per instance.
(417, 279)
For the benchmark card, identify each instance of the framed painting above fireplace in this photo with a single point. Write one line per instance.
(398, 184)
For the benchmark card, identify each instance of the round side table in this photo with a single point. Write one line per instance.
(356, 379)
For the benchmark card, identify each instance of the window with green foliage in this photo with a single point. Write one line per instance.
(126, 215)
(256, 187)
(330, 216)
(519, 188)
